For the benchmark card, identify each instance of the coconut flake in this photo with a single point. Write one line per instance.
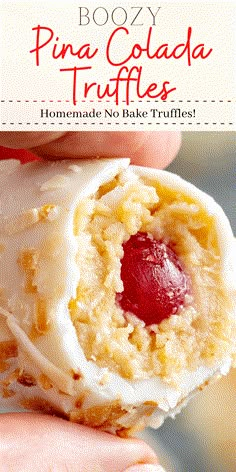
(48, 212)
(56, 182)
(18, 223)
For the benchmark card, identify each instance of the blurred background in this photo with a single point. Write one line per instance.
(202, 438)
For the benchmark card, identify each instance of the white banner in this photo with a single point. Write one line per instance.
(117, 66)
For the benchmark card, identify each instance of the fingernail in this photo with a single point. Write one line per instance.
(145, 468)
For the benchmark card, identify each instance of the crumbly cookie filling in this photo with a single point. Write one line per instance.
(201, 333)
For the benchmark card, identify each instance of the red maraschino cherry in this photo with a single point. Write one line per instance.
(155, 283)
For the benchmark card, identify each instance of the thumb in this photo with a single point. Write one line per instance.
(41, 443)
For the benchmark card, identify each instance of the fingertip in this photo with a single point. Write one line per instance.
(152, 149)
(158, 149)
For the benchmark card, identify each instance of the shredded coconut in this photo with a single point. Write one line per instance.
(200, 334)
(56, 182)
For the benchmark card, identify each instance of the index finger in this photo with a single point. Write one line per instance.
(156, 149)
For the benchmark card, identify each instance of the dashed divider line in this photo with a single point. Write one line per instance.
(119, 124)
(123, 101)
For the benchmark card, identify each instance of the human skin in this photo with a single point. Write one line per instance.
(153, 149)
(39, 442)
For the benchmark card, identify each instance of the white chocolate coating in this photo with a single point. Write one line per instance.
(25, 190)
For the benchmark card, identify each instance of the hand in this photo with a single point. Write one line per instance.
(39, 443)
(154, 149)
(42, 443)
